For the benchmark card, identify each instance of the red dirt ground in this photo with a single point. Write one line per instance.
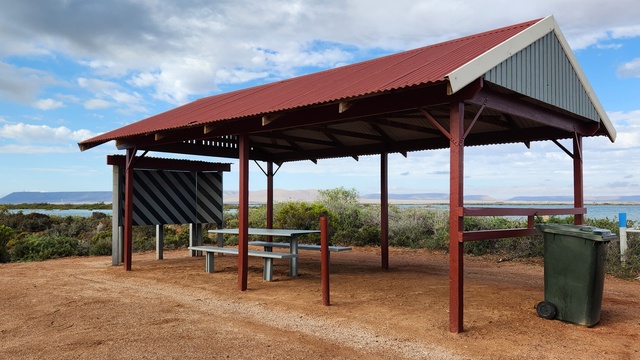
(172, 308)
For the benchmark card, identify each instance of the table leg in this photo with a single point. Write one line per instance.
(293, 262)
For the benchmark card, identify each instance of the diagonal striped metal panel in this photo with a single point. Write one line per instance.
(543, 71)
(209, 198)
(174, 197)
(163, 197)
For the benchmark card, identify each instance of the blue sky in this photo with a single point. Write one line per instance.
(70, 70)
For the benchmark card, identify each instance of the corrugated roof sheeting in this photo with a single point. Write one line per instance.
(542, 71)
(410, 68)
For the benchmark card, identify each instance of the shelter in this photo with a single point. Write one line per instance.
(516, 84)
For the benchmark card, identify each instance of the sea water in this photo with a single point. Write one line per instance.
(599, 211)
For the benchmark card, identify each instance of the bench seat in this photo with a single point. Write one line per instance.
(267, 244)
(267, 256)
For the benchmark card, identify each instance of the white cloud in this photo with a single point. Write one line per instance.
(97, 85)
(21, 84)
(95, 104)
(191, 48)
(35, 149)
(48, 104)
(103, 90)
(630, 69)
(27, 133)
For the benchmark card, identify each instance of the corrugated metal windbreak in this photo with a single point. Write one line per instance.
(543, 71)
(416, 67)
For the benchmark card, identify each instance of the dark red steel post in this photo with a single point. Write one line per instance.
(384, 209)
(578, 186)
(269, 197)
(128, 209)
(456, 221)
(324, 263)
(243, 212)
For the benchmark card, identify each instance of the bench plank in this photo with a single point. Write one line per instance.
(268, 256)
(267, 244)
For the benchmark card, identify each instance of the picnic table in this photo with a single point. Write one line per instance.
(290, 234)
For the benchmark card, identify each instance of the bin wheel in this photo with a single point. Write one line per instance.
(546, 310)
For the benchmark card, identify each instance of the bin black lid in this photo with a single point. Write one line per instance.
(582, 231)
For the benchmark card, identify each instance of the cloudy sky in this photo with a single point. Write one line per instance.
(72, 69)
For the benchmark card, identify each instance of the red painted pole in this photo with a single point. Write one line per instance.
(243, 212)
(578, 186)
(384, 209)
(269, 197)
(128, 209)
(324, 263)
(456, 221)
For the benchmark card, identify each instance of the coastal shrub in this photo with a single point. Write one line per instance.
(6, 234)
(176, 236)
(417, 227)
(20, 222)
(349, 221)
(100, 247)
(34, 247)
(629, 269)
(301, 215)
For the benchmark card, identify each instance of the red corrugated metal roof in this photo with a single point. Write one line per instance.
(416, 67)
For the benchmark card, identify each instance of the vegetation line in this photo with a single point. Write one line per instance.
(30, 237)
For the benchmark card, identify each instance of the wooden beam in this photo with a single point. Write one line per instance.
(243, 212)
(456, 222)
(168, 164)
(578, 182)
(515, 106)
(497, 234)
(128, 208)
(384, 210)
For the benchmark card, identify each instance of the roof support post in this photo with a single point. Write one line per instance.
(578, 186)
(128, 208)
(456, 220)
(384, 209)
(269, 174)
(243, 212)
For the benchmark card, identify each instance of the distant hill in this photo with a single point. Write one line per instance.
(72, 197)
(600, 199)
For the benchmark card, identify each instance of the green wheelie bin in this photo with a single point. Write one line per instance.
(574, 266)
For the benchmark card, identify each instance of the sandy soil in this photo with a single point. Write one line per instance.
(86, 308)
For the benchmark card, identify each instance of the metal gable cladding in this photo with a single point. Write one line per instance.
(411, 68)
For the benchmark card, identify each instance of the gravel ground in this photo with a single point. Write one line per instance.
(171, 308)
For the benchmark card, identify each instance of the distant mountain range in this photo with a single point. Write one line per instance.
(72, 197)
(83, 197)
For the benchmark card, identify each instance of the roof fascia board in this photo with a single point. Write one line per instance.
(151, 163)
(499, 53)
(477, 67)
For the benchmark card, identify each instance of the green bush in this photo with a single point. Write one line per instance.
(176, 237)
(34, 247)
(33, 236)
(6, 234)
(300, 215)
(100, 247)
(417, 227)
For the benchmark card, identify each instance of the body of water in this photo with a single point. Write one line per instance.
(593, 211)
(61, 213)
